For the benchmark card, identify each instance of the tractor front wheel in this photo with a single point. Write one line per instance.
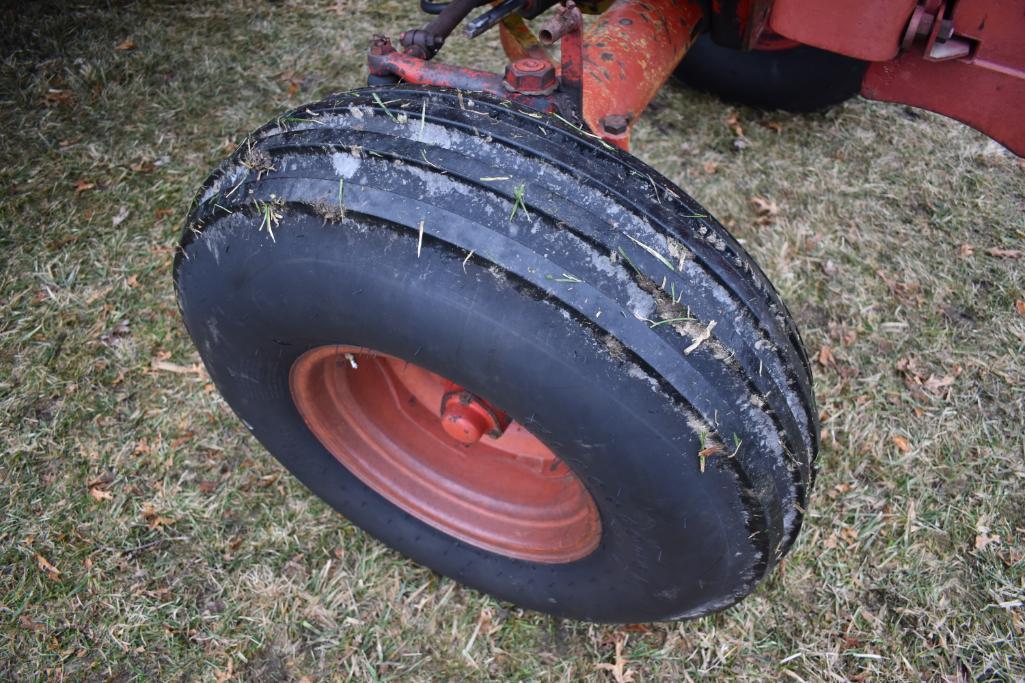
(517, 355)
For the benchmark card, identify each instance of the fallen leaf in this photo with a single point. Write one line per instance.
(47, 568)
(906, 292)
(27, 623)
(144, 166)
(706, 452)
(114, 335)
(902, 444)
(292, 80)
(711, 167)
(126, 44)
(83, 185)
(966, 250)
(158, 522)
(102, 480)
(734, 124)
(985, 539)
(850, 535)
(1019, 305)
(936, 385)
(99, 494)
(227, 674)
(765, 209)
(844, 334)
(1005, 253)
(618, 669)
(181, 440)
(167, 366)
(153, 519)
(711, 450)
(701, 338)
(267, 480)
(773, 125)
(163, 213)
(825, 357)
(55, 97)
(208, 485)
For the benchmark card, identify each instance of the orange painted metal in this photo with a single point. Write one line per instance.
(567, 26)
(519, 42)
(468, 418)
(629, 53)
(985, 90)
(864, 29)
(385, 420)
(384, 60)
(608, 73)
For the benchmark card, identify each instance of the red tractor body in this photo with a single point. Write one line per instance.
(963, 58)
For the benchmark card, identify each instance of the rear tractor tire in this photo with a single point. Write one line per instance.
(510, 352)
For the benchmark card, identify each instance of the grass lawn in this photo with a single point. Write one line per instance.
(145, 535)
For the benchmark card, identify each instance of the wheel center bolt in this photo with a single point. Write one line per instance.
(467, 419)
(464, 426)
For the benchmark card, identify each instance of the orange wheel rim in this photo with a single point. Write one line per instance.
(445, 456)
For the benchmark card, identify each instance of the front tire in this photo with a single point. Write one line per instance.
(559, 280)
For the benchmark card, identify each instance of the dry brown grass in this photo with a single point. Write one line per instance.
(183, 550)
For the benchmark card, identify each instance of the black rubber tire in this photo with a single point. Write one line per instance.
(798, 79)
(552, 318)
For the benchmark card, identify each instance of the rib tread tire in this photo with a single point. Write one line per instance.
(575, 223)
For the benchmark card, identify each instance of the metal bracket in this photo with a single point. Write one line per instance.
(931, 27)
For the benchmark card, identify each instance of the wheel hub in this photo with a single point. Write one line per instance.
(467, 418)
(444, 455)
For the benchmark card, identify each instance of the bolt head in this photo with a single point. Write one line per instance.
(381, 45)
(615, 124)
(531, 77)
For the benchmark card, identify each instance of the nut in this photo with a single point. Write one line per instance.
(615, 124)
(531, 77)
(381, 45)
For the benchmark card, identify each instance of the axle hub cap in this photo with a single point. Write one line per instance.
(444, 455)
